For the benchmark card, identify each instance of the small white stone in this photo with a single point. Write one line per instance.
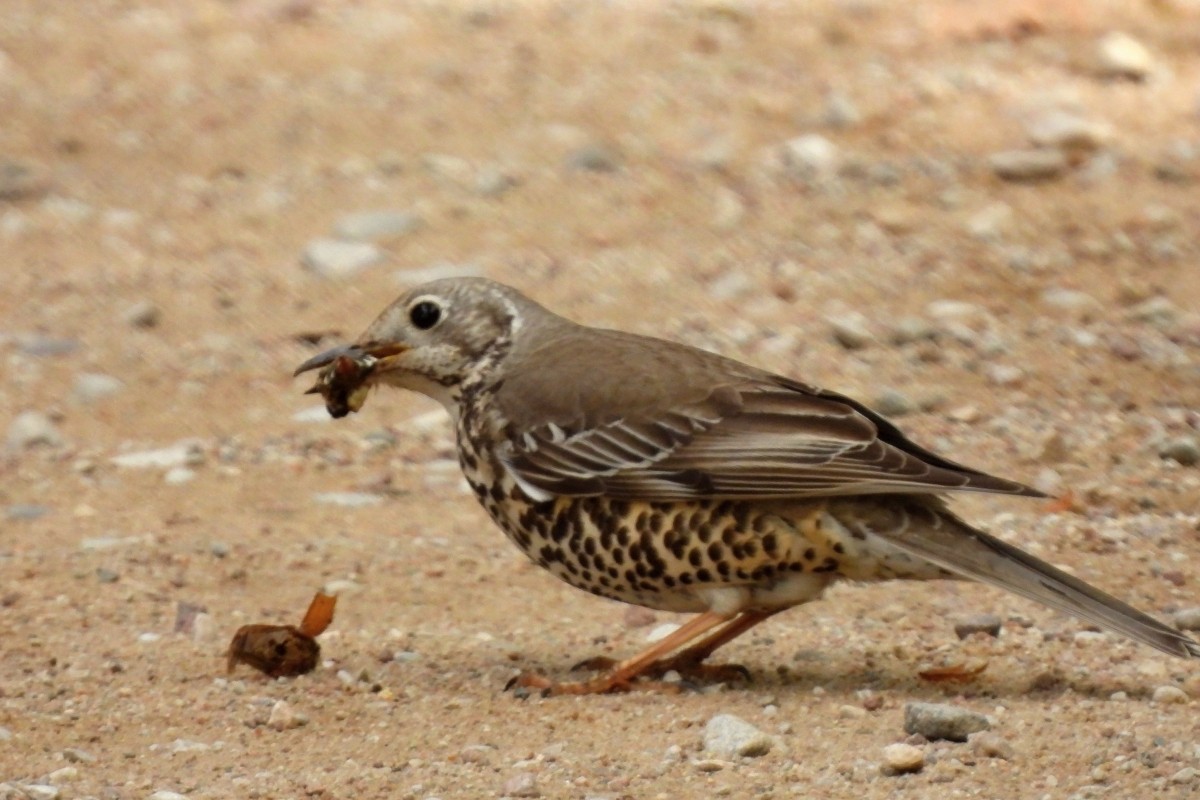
(41, 791)
(63, 775)
(92, 387)
(369, 226)
(177, 476)
(163, 794)
(180, 454)
(1119, 55)
(1169, 695)
(901, 758)
(31, 428)
(283, 718)
(811, 156)
(727, 736)
(204, 628)
(335, 259)
(342, 586)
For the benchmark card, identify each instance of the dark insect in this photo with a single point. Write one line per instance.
(343, 383)
(283, 651)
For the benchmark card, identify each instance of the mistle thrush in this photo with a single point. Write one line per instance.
(669, 477)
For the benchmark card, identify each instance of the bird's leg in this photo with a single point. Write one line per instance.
(620, 677)
(690, 661)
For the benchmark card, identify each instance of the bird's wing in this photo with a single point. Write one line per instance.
(759, 438)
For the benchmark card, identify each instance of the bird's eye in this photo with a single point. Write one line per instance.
(425, 314)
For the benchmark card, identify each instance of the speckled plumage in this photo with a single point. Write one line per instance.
(657, 474)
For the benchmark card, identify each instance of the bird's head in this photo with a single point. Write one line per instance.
(430, 340)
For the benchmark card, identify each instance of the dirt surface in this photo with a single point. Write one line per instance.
(640, 166)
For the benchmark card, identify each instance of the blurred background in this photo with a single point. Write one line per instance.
(979, 218)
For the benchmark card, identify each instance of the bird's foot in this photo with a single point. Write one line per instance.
(687, 664)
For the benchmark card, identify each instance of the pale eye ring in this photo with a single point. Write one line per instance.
(425, 314)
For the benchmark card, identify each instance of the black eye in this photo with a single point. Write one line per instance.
(425, 315)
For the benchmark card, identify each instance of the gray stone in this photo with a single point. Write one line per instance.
(493, 182)
(78, 756)
(1119, 55)
(22, 181)
(142, 314)
(338, 260)
(31, 428)
(521, 784)
(840, 111)
(1029, 165)
(728, 736)
(594, 158)
(1065, 130)
(25, 511)
(1185, 450)
(893, 403)
(1188, 619)
(92, 387)
(978, 623)
(106, 575)
(850, 331)
(283, 718)
(43, 346)
(371, 226)
(940, 721)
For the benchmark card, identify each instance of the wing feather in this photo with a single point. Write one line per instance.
(769, 438)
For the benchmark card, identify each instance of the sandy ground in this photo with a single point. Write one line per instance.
(164, 168)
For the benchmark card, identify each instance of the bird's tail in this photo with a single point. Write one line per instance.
(938, 536)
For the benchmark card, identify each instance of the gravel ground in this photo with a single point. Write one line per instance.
(980, 217)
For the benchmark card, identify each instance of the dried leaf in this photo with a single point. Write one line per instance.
(277, 650)
(319, 615)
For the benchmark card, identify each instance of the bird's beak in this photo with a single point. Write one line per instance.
(347, 372)
(357, 352)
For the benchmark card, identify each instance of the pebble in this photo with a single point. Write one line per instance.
(1005, 374)
(901, 758)
(1119, 55)
(78, 756)
(371, 226)
(991, 745)
(1185, 775)
(204, 628)
(521, 784)
(22, 180)
(41, 791)
(106, 575)
(1185, 450)
(1188, 619)
(850, 331)
(493, 182)
(978, 623)
(893, 403)
(92, 387)
(25, 511)
(5, 734)
(940, 721)
(1065, 130)
(177, 476)
(41, 346)
(1028, 165)
(348, 499)
(1072, 301)
(62, 775)
(283, 717)
(1049, 482)
(727, 736)
(811, 156)
(594, 158)
(142, 314)
(163, 794)
(177, 455)
(336, 260)
(31, 428)
(1169, 695)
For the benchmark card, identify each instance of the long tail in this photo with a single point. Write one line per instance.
(938, 536)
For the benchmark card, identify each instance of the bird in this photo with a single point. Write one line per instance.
(666, 476)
